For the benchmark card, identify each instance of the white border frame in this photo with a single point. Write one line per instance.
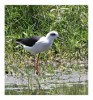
(47, 2)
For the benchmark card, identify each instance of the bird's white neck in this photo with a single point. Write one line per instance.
(50, 39)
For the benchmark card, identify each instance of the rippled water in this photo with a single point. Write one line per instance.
(47, 82)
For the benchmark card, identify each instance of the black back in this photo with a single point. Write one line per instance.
(29, 41)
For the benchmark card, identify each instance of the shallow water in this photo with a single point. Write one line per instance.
(49, 82)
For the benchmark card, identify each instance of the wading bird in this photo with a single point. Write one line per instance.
(37, 44)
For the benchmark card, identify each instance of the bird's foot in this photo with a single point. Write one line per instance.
(37, 72)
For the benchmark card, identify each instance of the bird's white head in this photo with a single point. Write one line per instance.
(52, 35)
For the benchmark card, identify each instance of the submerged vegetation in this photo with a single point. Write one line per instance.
(68, 54)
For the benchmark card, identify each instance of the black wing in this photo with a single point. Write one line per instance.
(29, 41)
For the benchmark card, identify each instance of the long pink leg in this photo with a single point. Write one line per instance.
(36, 65)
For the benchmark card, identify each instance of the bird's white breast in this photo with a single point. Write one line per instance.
(42, 45)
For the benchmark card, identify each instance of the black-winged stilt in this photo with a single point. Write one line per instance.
(37, 44)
